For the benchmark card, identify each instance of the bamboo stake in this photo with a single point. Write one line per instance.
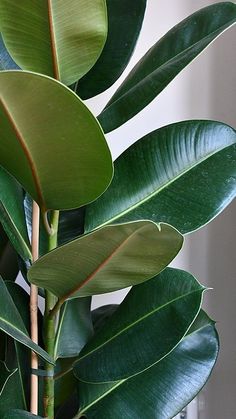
(34, 310)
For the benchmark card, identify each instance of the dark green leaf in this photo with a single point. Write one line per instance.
(6, 62)
(18, 356)
(71, 225)
(65, 382)
(61, 39)
(102, 314)
(103, 261)
(20, 414)
(12, 214)
(11, 397)
(5, 374)
(183, 174)
(74, 328)
(165, 60)
(125, 19)
(69, 408)
(8, 258)
(164, 389)
(146, 327)
(11, 323)
(60, 148)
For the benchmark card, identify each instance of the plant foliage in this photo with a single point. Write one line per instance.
(102, 231)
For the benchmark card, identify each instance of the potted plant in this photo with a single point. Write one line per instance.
(81, 224)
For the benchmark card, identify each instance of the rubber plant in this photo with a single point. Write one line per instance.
(74, 229)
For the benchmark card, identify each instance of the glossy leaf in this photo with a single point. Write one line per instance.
(74, 328)
(17, 355)
(20, 414)
(12, 324)
(6, 61)
(11, 397)
(5, 374)
(101, 314)
(165, 60)
(12, 214)
(140, 335)
(65, 382)
(59, 149)
(8, 258)
(170, 176)
(169, 385)
(56, 37)
(103, 261)
(71, 225)
(124, 24)
(17, 358)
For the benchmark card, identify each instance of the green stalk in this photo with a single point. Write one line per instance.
(50, 301)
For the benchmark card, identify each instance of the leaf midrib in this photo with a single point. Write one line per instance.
(139, 320)
(120, 382)
(164, 186)
(53, 41)
(176, 57)
(24, 147)
(93, 275)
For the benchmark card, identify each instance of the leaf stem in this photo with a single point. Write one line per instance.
(49, 323)
(34, 310)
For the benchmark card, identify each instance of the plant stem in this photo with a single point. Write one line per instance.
(50, 301)
(34, 310)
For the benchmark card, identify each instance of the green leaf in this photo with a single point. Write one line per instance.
(102, 314)
(6, 62)
(60, 148)
(74, 328)
(62, 39)
(125, 19)
(20, 414)
(169, 385)
(65, 383)
(8, 258)
(170, 176)
(5, 374)
(146, 327)
(168, 57)
(11, 397)
(71, 225)
(12, 214)
(18, 356)
(11, 323)
(108, 259)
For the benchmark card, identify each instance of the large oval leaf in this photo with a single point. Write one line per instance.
(12, 215)
(63, 160)
(6, 61)
(11, 323)
(74, 328)
(148, 324)
(125, 19)
(183, 174)
(169, 385)
(106, 260)
(165, 60)
(61, 38)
